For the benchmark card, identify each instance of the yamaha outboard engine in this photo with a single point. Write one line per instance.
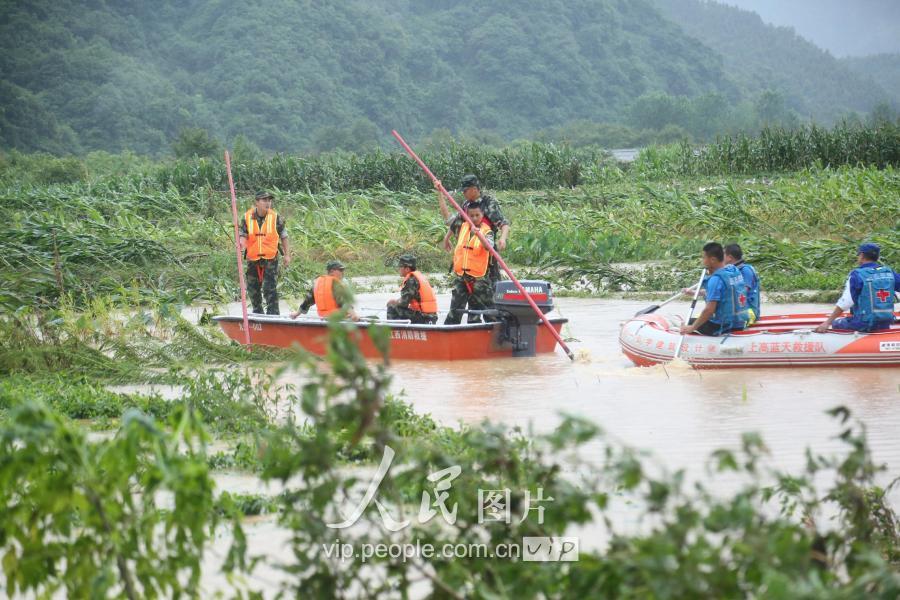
(519, 322)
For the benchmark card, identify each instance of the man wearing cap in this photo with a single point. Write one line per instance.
(494, 218)
(868, 295)
(262, 238)
(417, 300)
(329, 293)
(472, 286)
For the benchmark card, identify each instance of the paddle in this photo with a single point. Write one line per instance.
(237, 250)
(487, 246)
(656, 307)
(690, 313)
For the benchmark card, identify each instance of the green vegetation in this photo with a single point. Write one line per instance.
(133, 515)
(186, 78)
(161, 235)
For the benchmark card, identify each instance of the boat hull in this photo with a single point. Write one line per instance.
(407, 341)
(775, 341)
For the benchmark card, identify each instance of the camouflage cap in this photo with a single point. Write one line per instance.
(407, 260)
(469, 181)
(264, 195)
(334, 264)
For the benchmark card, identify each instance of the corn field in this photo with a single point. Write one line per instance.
(88, 240)
(778, 150)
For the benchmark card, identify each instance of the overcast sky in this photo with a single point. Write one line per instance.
(844, 27)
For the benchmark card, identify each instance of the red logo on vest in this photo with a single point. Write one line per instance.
(883, 295)
(742, 299)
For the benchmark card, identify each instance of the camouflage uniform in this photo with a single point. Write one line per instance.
(269, 269)
(481, 297)
(478, 293)
(492, 213)
(401, 310)
(342, 296)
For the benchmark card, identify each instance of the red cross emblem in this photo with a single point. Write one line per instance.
(742, 299)
(883, 295)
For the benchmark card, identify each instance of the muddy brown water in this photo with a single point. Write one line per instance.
(678, 414)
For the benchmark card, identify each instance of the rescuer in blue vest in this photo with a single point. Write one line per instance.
(726, 296)
(734, 255)
(868, 295)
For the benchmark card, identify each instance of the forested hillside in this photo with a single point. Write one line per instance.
(759, 56)
(883, 68)
(294, 75)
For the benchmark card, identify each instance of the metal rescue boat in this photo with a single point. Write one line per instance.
(774, 341)
(518, 331)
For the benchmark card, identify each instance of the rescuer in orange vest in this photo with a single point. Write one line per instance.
(262, 238)
(329, 293)
(417, 300)
(471, 263)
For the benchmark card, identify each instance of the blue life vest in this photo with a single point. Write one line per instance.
(875, 304)
(751, 279)
(731, 311)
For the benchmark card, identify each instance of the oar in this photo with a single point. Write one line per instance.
(485, 243)
(656, 307)
(237, 250)
(690, 313)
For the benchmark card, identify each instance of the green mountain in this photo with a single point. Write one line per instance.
(759, 56)
(298, 75)
(883, 68)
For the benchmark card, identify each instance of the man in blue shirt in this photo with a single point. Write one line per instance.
(734, 255)
(868, 295)
(726, 296)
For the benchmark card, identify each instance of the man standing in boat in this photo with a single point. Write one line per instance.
(726, 297)
(329, 293)
(472, 285)
(263, 238)
(471, 190)
(868, 295)
(417, 300)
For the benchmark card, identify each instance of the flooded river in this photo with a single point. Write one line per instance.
(678, 414)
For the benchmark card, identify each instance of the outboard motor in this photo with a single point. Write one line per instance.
(519, 322)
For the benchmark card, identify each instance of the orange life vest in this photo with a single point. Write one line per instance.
(470, 256)
(323, 293)
(428, 303)
(261, 242)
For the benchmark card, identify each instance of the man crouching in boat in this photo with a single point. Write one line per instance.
(329, 293)
(471, 261)
(726, 296)
(868, 295)
(417, 300)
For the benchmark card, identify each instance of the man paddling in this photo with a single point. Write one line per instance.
(868, 295)
(329, 293)
(262, 238)
(726, 296)
(417, 300)
(472, 285)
